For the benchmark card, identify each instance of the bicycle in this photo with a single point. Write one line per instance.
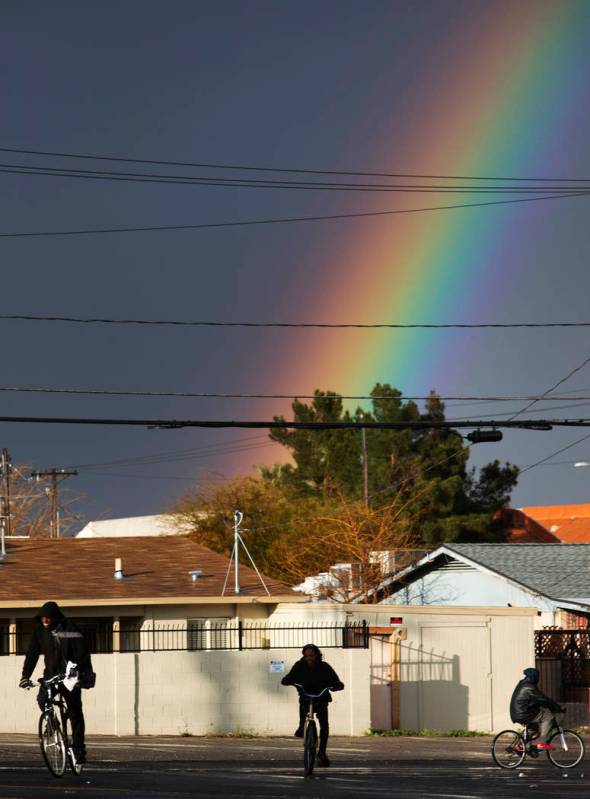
(510, 747)
(310, 731)
(56, 748)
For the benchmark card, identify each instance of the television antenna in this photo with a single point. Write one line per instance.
(235, 556)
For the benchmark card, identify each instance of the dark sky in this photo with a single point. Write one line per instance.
(272, 83)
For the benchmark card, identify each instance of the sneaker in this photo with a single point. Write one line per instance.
(323, 760)
(298, 732)
(80, 757)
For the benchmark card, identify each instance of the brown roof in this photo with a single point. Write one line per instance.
(154, 567)
(569, 523)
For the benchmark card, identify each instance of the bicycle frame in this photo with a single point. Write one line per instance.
(529, 739)
(53, 700)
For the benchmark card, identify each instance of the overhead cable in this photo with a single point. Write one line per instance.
(289, 396)
(276, 220)
(86, 320)
(270, 183)
(560, 382)
(275, 424)
(553, 454)
(292, 170)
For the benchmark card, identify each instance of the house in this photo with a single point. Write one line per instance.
(176, 650)
(553, 579)
(175, 653)
(519, 528)
(125, 586)
(570, 524)
(160, 524)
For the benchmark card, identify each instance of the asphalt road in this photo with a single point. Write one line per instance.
(175, 768)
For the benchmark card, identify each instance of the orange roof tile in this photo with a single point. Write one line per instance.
(569, 523)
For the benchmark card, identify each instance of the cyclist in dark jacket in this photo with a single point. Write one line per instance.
(59, 641)
(314, 675)
(529, 705)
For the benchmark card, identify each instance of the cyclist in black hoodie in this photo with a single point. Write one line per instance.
(59, 641)
(314, 675)
(529, 705)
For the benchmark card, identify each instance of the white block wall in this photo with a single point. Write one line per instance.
(171, 693)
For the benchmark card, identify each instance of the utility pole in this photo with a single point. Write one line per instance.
(6, 517)
(365, 462)
(53, 475)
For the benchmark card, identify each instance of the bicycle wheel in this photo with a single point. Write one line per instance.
(52, 742)
(310, 744)
(568, 749)
(508, 749)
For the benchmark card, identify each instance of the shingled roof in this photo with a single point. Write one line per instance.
(155, 568)
(558, 572)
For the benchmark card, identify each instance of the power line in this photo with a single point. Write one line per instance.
(171, 455)
(79, 320)
(250, 168)
(276, 220)
(289, 396)
(255, 183)
(560, 382)
(196, 457)
(553, 454)
(175, 424)
(144, 476)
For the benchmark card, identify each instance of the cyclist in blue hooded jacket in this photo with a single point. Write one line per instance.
(529, 705)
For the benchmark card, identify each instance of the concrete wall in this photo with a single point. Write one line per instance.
(458, 667)
(455, 668)
(170, 693)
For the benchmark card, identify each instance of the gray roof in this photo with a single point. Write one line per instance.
(559, 571)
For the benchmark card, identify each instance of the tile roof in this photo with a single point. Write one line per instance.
(559, 572)
(154, 568)
(522, 529)
(569, 523)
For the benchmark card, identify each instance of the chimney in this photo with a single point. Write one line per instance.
(118, 575)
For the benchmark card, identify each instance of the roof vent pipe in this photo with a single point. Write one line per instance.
(195, 574)
(118, 575)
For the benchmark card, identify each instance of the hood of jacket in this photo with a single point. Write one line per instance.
(52, 611)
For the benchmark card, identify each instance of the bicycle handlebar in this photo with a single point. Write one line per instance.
(57, 678)
(312, 696)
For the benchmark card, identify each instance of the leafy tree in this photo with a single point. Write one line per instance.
(277, 518)
(290, 537)
(429, 466)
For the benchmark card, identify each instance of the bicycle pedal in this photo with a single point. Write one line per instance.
(533, 751)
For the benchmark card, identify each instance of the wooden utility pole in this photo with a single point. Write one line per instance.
(365, 468)
(53, 475)
(6, 517)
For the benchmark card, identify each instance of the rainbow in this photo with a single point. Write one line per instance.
(506, 101)
(501, 98)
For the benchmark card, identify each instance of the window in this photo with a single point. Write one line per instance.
(130, 635)
(208, 634)
(4, 637)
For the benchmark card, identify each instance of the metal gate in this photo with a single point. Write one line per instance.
(563, 660)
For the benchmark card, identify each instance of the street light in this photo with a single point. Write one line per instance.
(581, 463)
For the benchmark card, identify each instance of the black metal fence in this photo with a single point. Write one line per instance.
(204, 635)
(563, 660)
